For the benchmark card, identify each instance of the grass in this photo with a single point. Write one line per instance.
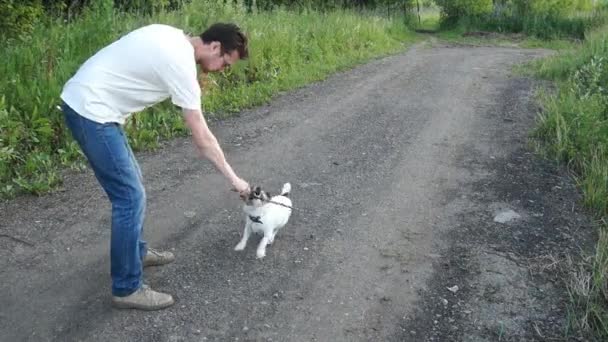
(562, 66)
(553, 24)
(542, 25)
(573, 128)
(462, 35)
(431, 22)
(288, 50)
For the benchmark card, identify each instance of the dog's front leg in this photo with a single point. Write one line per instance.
(261, 252)
(241, 245)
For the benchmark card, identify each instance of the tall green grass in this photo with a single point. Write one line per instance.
(544, 19)
(574, 129)
(540, 25)
(288, 49)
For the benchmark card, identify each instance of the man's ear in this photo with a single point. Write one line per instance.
(216, 47)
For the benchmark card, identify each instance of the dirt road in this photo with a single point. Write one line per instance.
(411, 175)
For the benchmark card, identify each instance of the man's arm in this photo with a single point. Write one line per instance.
(210, 149)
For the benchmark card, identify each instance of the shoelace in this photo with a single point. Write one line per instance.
(154, 252)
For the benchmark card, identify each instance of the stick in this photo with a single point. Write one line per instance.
(17, 239)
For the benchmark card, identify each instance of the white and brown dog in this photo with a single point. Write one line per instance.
(266, 214)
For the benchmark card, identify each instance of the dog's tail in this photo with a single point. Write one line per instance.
(286, 189)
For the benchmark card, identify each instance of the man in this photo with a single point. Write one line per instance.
(141, 69)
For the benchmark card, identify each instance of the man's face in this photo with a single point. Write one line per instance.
(218, 61)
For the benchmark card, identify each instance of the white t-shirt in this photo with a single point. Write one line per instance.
(142, 68)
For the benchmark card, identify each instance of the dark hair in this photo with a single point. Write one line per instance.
(229, 35)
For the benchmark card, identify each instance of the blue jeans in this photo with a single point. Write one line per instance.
(110, 156)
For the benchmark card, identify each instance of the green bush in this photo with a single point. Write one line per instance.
(592, 78)
(544, 7)
(575, 122)
(18, 16)
(541, 18)
(455, 9)
(146, 6)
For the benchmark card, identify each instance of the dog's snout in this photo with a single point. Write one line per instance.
(256, 193)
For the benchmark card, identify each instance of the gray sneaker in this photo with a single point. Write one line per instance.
(144, 299)
(157, 258)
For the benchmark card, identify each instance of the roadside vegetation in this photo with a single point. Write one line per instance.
(573, 129)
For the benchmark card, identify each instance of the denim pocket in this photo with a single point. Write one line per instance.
(75, 123)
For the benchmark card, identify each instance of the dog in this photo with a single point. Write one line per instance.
(265, 214)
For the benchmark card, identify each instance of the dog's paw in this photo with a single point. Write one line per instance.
(239, 247)
(260, 254)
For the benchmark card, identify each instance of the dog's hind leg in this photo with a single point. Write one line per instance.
(241, 245)
(272, 235)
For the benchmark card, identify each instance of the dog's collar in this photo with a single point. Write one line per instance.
(256, 219)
